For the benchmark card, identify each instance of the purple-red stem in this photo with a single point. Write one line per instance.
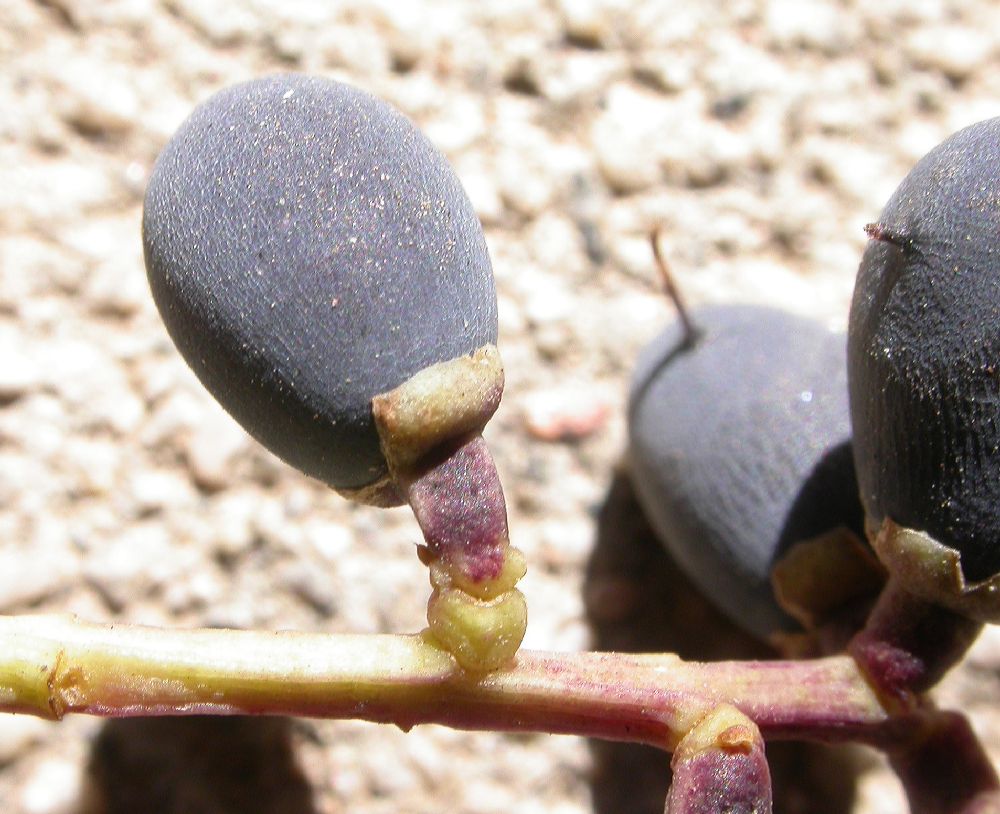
(54, 665)
(908, 644)
(944, 770)
(458, 502)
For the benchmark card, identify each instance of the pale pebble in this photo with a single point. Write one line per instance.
(481, 187)
(221, 22)
(623, 135)
(52, 787)
(211, 448)
(956, 51)
(18, 733)
(565, 412)
(95, 96)
(127, 566)
(818, 25)
(592, 23)
(153, 490)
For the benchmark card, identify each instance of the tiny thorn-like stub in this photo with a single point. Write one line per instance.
(689, 328)
(933, 572)
(724, 729)
(883, 234)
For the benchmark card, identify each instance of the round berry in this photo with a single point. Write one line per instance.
(740, 447)
(308, 249)
(924, 352)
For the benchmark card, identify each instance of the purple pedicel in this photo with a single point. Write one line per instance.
(459, 504)
(908, 644)
(945, 770)
(722, 781)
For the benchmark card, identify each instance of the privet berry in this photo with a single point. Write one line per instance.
(319, 265)
(924, 353)
(308, 249)
(740, 447)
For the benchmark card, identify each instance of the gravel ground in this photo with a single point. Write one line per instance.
(760, 136)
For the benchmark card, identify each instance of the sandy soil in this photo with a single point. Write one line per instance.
(760, 136)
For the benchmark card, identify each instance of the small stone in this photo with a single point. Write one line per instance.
(736, 73)
(17, 733)
(819, 26)
(95, 97)
(28, 264)
(153, 490)
(91, 465)
(578, 77)
(304, 581)
(332, 541)
(76, 367)
(556, 243)
(457, 125)
(388, 777)
(482, 190)
(231, 518)
(19, 375)
(621, 136)
(701, 153)
(956, 51)
(114, 289)
(211, 448)
(565, 413)
(52, 788)
(664, 70)
(853, 170)
(199, 589)
(361, 51)
(126, 568)
(524, 186)
(29, 576)
(221, 22)
(548, 308)
(27, 202)
(590, 23)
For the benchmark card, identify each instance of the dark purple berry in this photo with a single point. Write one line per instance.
(740, 447)
(308, 248)
(924, 352)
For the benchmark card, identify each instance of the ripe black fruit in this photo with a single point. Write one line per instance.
(740, 447)
(924, 352)
(308, 248)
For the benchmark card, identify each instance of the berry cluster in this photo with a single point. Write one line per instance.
(319, 266)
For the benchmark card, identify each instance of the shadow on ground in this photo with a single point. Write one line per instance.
(197, 765)
(638, 601)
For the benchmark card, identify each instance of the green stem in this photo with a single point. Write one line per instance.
(52, 665)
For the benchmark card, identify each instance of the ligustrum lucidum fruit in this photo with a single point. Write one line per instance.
(740, 447)
(308, 249)
(320, 267)
(924, 373)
